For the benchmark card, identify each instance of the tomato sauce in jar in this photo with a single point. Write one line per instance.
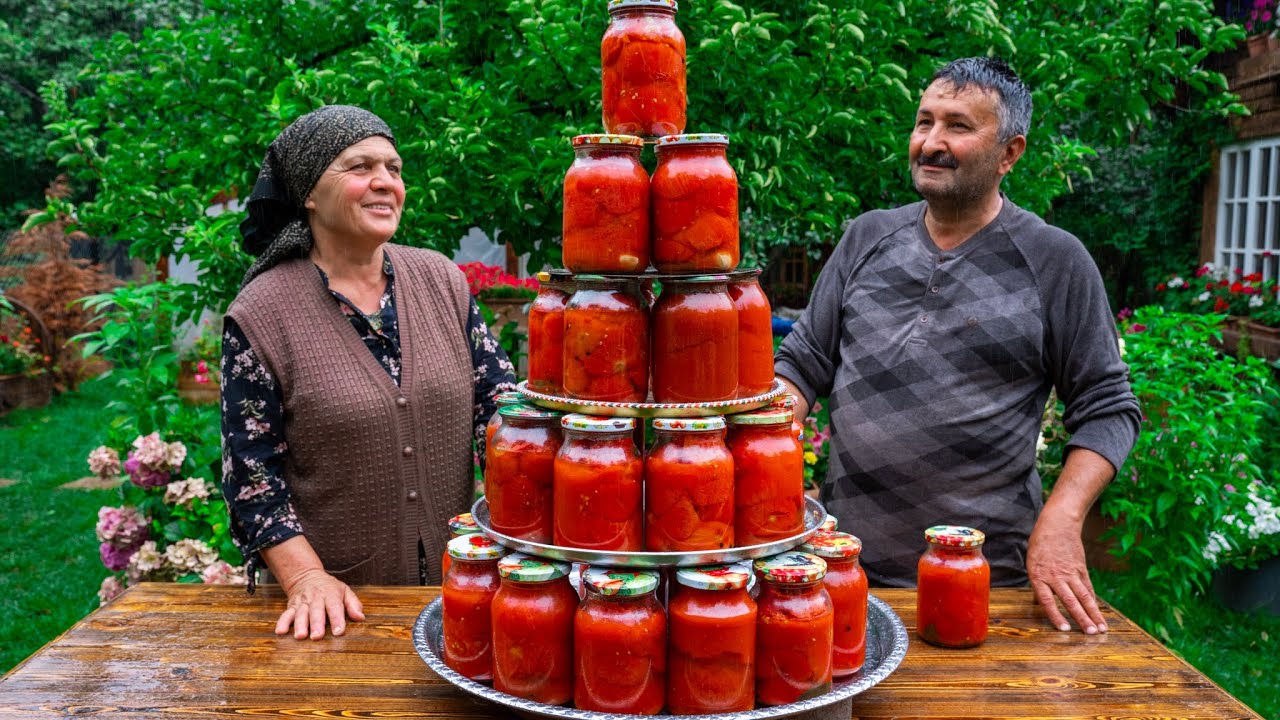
(688, 486)
(620, 644)
(953, 588)
(598, 485)
(755, 333)
(712, 648)
(694, 200)
(459, 525)
(768, 477)
(519, 472)
(606, 342)
(846, 583)
(695, 341)
(606, 206)
(546, 332)
(795, 629)
(533, 630)
(466, 596)
(642, 61)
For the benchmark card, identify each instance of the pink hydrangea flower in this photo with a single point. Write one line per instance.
(111, 587)
(143, 475)
(183, 492)
(223, 573)
(121, 527)
(104, 462)
(115, 558)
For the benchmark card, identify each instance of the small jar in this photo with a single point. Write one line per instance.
(846, 583)
(606, 342)
(606, 206)
(694, 200)
(459, 525)
(695, 341)
(787, 401)
(501, 400)
(755, 333)
(953, 588)
(620, 644)
(768, 477)
(519, 472)
(598, 485)
(688, 486)
(546, 332)
(795, 629)
(711, 662)
(829, 524)
(533, 630)
(466, 598)
(642, 61)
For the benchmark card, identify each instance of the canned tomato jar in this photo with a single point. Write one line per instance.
(768, 477)
(846, 583)
(755, 333)
(533, 630)
(795, 629)
(642, 61)
(688, 486)
(606, 341)
(620, 644)
(694, 200)
(606, 206)
(519, 472)
(598, 485)
(501, 400)
(712, 621)
(695, 341)
(459, 525)
(953, 587)
(466, 597)
(546, 332)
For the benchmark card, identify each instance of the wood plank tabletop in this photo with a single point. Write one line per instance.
(172, 650)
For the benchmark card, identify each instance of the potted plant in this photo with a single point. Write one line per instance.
(199, 379)
(1251, 304)
(1260, 24)
(503, 298)
(24, 359)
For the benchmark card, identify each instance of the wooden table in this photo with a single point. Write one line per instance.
(169, 650)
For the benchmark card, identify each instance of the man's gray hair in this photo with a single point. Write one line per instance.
(992, 75)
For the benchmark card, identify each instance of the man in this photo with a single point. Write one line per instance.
(938, 330)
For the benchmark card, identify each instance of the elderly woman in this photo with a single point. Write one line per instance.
(355, 375)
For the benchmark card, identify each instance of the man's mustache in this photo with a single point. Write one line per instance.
(941, 160)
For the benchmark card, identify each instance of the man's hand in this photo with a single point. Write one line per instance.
(314, 597)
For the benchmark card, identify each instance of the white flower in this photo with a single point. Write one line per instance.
(1256, 301)
(190, 555)
(1041, 445)
(174, 454)
(144, 562)
(1202, 297)
(183, 492)
(1121, 342)
(1177, 282)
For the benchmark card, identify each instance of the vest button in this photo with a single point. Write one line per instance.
(402, 402)
(413, 494)
(408, 450)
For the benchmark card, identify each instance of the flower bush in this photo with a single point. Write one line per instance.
(1222, 291)
(489, 281)
(21, 354)
(1262, 17)
(817, 432)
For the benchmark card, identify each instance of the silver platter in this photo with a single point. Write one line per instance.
(886, 647)
(650, 410)
(814, 514)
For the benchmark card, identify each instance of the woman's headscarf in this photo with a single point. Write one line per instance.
(276, 228)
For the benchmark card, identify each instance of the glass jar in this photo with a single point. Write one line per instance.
(953, 588)
(620, 644)
(787, 401)
(688, 486)
(711, 662)
(459, 525)
(606, 342)
(755, 333)
(598, 485)
(768, 477)
(466, 597)
(795, 629)
(606, 206)
(519, 471)
(501, 400)
(533, 630)
(694, 200)
(695, 341)
(546, 332)
(642, 61)
(829, 524)
(846, 583)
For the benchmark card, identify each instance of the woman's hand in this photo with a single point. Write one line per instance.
(314, 596)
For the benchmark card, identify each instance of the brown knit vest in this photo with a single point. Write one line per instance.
(372, 468)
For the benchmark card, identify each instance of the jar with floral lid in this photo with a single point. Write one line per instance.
(533, 630)
(795, 630)
(606, 342)
(953, 587)
(546, 332)
(642, 61)
(846, 583)
(688, 486)
(712, 620)
(768, 477)
(606, 206)
(459, 525)
(519, 472)
(501, 400)
(598, 495)
(466, 597)
(694, 200)
(620, 643)
(695, 341)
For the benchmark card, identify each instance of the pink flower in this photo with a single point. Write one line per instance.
(115, 558)
(202, 379)
(104, 462)
(1230, 488)
(111, 587)
(121, 527)
(143, 476)
(202, 367)
(1137, 328)
(222, 573)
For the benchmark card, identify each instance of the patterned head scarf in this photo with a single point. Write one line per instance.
(276, 228)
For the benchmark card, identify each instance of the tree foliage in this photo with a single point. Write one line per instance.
(817, 97)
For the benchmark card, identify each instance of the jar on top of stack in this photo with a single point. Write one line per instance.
(642, 59)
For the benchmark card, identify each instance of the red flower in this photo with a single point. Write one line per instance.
(1161, 287)
(4, 338)
(1208, 286)
(1220, 305)
(1237, 287)
(1253, 277)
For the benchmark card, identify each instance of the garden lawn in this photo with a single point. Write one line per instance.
(49, 566)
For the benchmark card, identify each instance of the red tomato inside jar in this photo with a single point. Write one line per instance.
(518, 474)
(755, 333)
(606, 206)
(598, 485)
(846, 583)
(642, 58)
(694, 201)
(606, 342)
(953, 588)
(768, 477)
(533, 630)
(546, 332)
(711, 661)
(620, 644)
(466, 597)
(795, 629)
(688, 486)
(695, 341)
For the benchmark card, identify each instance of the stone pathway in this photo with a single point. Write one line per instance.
(7, 483)
(93, 482)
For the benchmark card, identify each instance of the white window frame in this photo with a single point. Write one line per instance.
(1249, 208)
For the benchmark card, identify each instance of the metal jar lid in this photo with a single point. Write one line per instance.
(528, 412)
(597, 423)
(833, 545)
(607, 139)
(734, 576)
(954, 536)
(693, 139)
(829, 524)
(714, 422)
(623, 4)
(509, 397)
(526, 568)
(620, 583)
(792, 567)
(767, 416)
(474, 547)
(463, 524)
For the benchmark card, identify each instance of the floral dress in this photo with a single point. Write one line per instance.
(253, 482)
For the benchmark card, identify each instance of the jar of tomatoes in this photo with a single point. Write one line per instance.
(468, 591)
(795, 630)
(711, 662)
(642, 58)
(606, 206)
(620, 644)
(459, 525)
(694, 196)
(768, 477)
(695, 341)
(755, 333)
(598, 485)
(953, 588)
(606, 342)
(688, 486)
(546, 332)
(533, 630)
(501, 400)
(519, 471)
(787, 401)
(846, 583)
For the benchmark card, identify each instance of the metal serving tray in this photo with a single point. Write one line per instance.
(649, 410)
